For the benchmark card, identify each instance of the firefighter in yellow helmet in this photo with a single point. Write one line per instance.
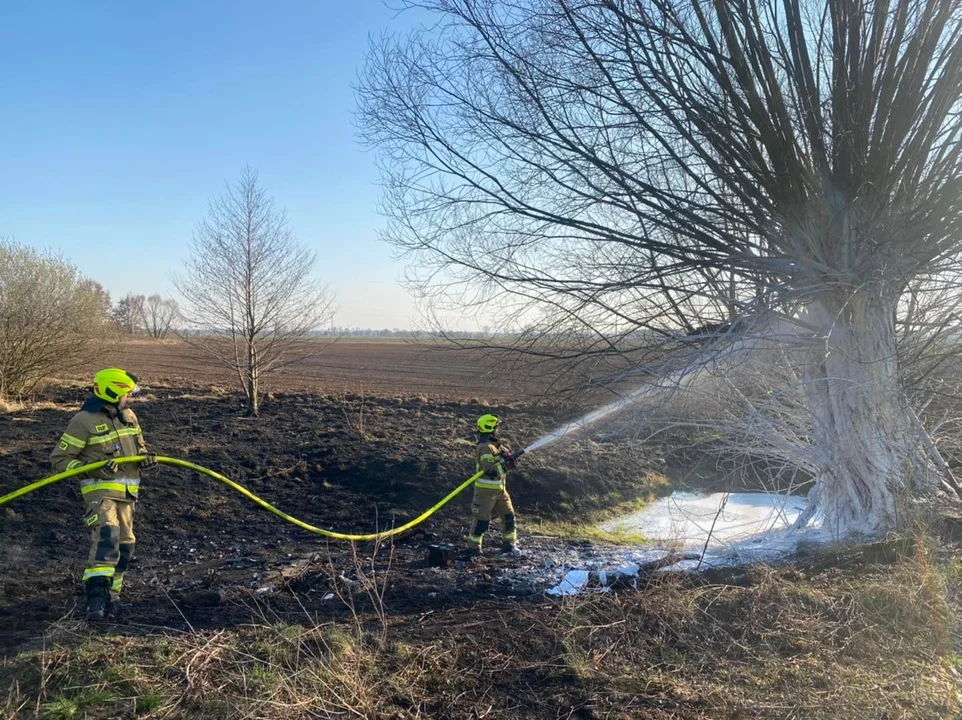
(490, 494)
(106, 429)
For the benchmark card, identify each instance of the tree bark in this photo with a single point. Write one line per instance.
(859, 414)
(253, 399)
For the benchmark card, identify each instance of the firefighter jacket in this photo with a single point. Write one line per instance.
(101, 431)
(490, 453)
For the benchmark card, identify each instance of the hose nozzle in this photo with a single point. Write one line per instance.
(511, 461)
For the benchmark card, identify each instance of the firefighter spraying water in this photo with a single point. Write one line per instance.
(491, 498)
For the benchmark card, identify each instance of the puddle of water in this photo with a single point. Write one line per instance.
(687, 520)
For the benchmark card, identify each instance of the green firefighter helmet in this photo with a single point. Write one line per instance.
(113, 383)
(488, 423)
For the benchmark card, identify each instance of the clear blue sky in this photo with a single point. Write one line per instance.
(118, 120)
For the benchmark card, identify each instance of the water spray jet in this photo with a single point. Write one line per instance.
(590, 418)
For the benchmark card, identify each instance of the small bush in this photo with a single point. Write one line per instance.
(54, 318)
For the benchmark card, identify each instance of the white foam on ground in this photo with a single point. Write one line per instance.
(688, 520)
(738, 528)
(571, 584)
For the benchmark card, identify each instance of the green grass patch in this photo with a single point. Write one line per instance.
(149, 702)
(588, 530)
(75, 704)
(587, 525)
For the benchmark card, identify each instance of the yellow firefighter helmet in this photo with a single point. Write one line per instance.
(487, 423)
(113, 383)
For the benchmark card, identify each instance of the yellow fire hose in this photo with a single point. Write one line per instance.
(248, 494)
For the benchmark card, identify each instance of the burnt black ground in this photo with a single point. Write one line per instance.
(206, 557)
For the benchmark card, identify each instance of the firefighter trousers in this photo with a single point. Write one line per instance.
(488, 503)
(112, 541)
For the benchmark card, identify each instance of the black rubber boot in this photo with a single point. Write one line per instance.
(509, 547)
(98, 598)
(117, 610)
(476, 538)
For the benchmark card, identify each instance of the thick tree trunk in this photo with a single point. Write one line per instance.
(860, 420)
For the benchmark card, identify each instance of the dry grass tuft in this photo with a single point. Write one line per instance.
(26, 406)
(270, 671)
(829, 646)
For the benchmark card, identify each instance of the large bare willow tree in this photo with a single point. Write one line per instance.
(613, 167)
(250, 297)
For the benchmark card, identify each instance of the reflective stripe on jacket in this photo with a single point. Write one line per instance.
(101, 432)
(489, 461)
(118, 484)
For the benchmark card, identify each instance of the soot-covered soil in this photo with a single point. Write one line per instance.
(206, 556)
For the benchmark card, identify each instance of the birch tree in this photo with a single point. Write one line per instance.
(250, 298)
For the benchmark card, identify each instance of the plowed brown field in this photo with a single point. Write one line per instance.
(375, 367)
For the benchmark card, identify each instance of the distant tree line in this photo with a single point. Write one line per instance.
(153, 316)
(346, 332)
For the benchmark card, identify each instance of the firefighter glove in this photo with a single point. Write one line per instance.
(111, 467)
(148, 461)
(510, 461)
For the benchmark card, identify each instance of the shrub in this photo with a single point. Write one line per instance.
(52, 318)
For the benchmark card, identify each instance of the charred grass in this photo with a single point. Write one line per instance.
(876, 643)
